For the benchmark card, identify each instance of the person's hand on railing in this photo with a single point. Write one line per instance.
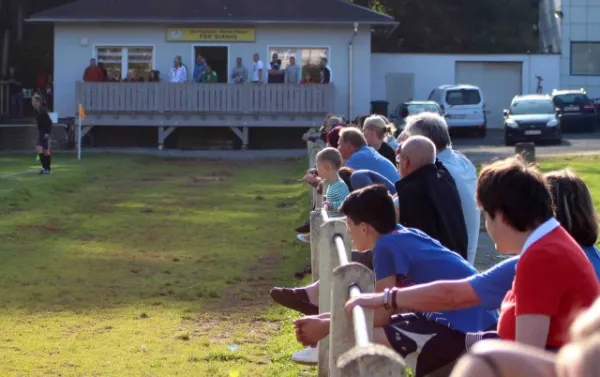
(327, 206)
(365, 300)
(310, 330)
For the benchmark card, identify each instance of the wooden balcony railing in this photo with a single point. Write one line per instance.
(190, 98)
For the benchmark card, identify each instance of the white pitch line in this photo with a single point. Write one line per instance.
(3, 176)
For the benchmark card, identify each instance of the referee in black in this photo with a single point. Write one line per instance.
(44, 125)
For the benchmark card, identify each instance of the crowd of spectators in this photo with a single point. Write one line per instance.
(272, 73)
(415, 221)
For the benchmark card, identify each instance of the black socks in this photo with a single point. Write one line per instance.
(45, 161)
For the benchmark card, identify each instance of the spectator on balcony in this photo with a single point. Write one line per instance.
(93, 73)
(307, 79)
(130, 76)
(258, 73)
(239, 73)
(325, 71)
(15, 87)
(104, 71)
(199, 68)
(154, 76)
(293, 72)
(276, 74)
(208, 75)
(178, 73)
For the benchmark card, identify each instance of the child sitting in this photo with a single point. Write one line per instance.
(329, 163)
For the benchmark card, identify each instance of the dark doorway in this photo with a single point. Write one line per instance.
(216, 57)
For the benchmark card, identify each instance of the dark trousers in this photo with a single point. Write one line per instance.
(16, 105)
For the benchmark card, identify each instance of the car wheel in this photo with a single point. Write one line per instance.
(508, 141)
(481, 132)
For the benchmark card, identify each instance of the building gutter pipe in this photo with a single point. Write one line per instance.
(351, 73)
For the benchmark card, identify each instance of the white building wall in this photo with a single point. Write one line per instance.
(71, 58)
(433, 70)
(580, 22)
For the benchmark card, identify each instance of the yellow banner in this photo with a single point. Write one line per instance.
(209, 35)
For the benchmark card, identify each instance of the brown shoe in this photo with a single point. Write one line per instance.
(295, 299)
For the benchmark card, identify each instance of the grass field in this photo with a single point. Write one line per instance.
(139, 266)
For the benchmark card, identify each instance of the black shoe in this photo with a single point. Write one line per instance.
(305, 228)
(295, 299)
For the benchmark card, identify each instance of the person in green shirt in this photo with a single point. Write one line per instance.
(208, 75)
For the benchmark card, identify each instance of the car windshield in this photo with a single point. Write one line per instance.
(532, 107)
(463, 97)
(417, 108)
(571, 99)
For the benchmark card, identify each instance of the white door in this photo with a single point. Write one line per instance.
(499, 82)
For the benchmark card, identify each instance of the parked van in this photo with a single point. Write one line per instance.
(463, 106)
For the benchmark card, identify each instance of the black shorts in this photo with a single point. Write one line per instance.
(43, 142)
(426, 346)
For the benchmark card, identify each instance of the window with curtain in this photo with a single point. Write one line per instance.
(308, 58)
(118, 61)
(585, 58)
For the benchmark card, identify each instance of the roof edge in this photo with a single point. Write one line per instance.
(351, 3)
(171, 21)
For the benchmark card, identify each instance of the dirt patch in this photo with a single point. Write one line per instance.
(152, 179)
(218, 176)
(43, 228)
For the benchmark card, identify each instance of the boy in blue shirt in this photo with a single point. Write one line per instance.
(329, 162)
(402, 256)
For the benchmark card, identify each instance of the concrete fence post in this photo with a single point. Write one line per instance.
(372, 360)
(341, 333)
(328, 260)
(316, 222)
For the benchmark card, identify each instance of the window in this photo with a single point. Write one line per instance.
(309, 58)
(463, 97)
(585, 58)
(532, 107)
(571, 99)
(120, 60)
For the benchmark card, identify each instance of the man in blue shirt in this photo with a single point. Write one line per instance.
(428, 340)
(199, 68)
(358, 156)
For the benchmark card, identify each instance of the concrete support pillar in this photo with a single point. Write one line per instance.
(341, 333)
(328, 260)
(372, 360)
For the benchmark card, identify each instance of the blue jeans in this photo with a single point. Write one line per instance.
(364, 178)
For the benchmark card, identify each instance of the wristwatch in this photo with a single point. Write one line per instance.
(386, 298)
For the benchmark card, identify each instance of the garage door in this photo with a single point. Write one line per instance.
(500, 82)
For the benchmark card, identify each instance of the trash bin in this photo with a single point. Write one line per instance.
(380, 108)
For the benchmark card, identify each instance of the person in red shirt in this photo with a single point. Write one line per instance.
(554, 280)
(93, 73)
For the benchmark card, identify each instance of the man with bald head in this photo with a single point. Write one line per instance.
(428, 197)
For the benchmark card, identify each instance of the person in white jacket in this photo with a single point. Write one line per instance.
(178, 73)
(434, 127)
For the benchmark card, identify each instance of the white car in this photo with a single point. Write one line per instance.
(463, 105)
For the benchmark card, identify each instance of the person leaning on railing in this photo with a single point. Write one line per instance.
(402, 257)
(574, 209)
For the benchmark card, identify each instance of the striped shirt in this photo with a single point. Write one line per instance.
(336, 193)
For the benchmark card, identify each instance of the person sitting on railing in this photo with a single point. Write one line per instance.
(178, 73)
(307, 79)
(403, 257)
(208, 75)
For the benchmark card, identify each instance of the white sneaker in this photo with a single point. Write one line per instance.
(304, 238)
(308, 356)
